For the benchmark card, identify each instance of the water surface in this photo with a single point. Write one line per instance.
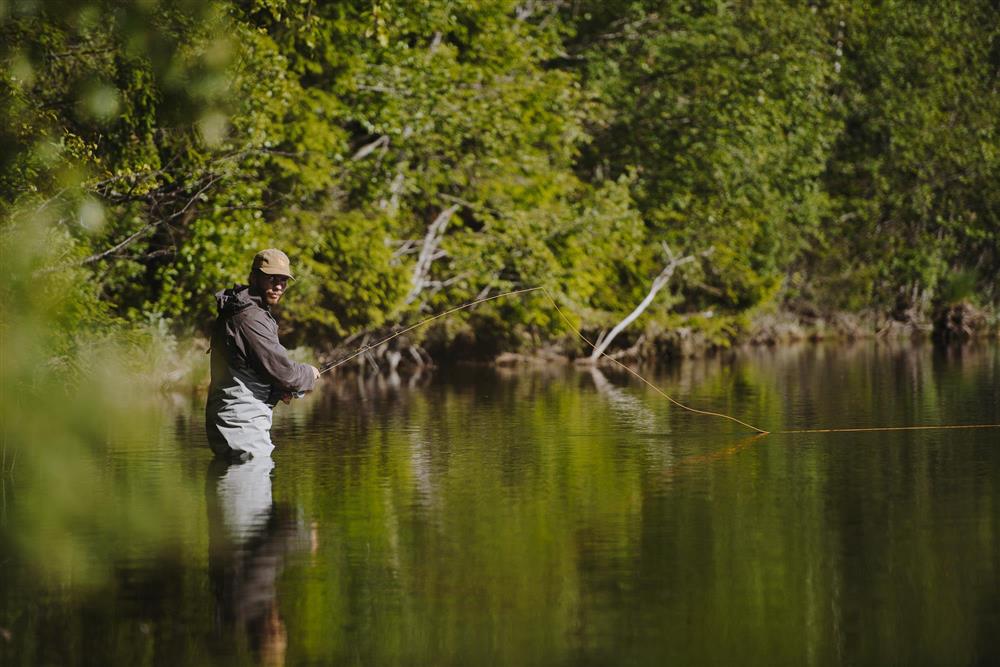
(560, 516)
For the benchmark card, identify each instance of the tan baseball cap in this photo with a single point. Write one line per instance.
(273, 262)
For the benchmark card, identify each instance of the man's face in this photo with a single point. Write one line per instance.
(270, 287)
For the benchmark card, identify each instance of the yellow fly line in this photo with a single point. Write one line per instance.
(571, 327)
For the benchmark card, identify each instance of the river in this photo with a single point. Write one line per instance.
(551, 516)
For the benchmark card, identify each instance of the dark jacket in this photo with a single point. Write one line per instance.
(250, 373)
(245, 336)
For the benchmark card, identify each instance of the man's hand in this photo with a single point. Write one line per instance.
(315, 372)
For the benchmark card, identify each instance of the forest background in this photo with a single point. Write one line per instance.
(824, 159)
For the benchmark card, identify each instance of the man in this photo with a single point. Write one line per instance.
(251, 371)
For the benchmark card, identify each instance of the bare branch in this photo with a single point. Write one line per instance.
(438, 285)
(395, 188)
(472, 206)
(118, 246)
(658, 283)
(405, 248)
(212, 181)
(369, 148)
(428, 250)
(138, 234)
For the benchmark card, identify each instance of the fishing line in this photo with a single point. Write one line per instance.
(366, 348)
(569, 324)
(644, 380)
(886, 428)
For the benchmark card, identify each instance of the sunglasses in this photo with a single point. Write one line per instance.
(274, 280)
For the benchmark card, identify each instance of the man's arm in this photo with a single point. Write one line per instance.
(262, 341)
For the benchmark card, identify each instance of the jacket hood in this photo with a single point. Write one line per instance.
(236, 298)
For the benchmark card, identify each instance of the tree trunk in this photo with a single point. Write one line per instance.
(422, 269)
(658, 284)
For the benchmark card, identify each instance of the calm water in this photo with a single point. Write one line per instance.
(554, 517)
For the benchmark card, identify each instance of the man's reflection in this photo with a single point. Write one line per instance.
(249, 537)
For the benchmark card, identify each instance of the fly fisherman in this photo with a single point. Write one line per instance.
(251, 370)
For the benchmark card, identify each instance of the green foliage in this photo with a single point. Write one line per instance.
(958, 287)
(71, 375)
(83, 82)
(914, 169)
(346, 279)
(841, 154)
(724, 113)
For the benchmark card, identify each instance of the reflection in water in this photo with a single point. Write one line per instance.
(560, 516)
(633, 411)
(634, 415)
(713, 455)
(249, 538)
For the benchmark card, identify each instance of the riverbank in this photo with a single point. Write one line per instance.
(185, 365)
(691, 337)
